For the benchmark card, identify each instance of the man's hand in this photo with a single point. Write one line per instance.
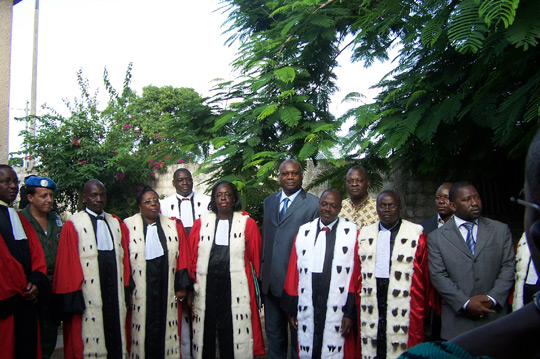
(190, 300)
(479, 305)
(294, 322)
(31, 293)
(346, 326)
(180, 294)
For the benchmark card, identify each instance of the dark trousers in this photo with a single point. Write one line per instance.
(276, 323)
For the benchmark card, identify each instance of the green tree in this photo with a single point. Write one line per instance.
(278, 105)
(464, 99)
(464, 96)
(123, 145)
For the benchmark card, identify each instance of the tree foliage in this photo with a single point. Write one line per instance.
(463, 97)
(124, 145)
(278, 105)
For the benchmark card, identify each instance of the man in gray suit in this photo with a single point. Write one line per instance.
(471, 264)
(284, 212)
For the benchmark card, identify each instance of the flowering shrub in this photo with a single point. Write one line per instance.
(116, 145)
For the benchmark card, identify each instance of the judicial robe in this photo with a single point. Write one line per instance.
(343, 275)
(244, 246)
(145, 297)
(13, 282)
(170, 208)
(408, 295)
(199, 203)
(77, 285)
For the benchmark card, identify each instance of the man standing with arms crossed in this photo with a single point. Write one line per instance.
(284, 212)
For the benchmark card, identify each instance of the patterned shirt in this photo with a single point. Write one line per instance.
(363, 215)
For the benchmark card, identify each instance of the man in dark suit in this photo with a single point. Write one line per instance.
(444, 212)
(284, 212)
(471, 264)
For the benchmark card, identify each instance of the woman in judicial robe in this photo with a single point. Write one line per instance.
(159, 258)
(225, 245)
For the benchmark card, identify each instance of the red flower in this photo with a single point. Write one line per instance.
(127, 126)
(168, 158)
(121, 176)
(82, 162)
(75, 141)
(151, 160)
(180, 161)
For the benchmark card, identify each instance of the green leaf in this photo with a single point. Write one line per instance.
(268, 110)
(290, 115)
(285, 74)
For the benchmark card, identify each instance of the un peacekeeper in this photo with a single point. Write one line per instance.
(47, 224)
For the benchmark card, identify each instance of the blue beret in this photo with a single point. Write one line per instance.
(44, 182)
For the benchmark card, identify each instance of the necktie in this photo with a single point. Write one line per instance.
(326, 229)
(284, 208)
(469, 240)
(103, 236)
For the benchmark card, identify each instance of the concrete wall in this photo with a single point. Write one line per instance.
(417, 193)
(5, 56)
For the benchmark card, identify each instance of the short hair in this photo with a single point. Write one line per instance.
(452, 193)
(291, 160)
(532, 169)
(357, 168)
(331, 190)
(90, 181)
(3, 165)
(142, 192)
(391, 193)
(212, 206)
(181, 170)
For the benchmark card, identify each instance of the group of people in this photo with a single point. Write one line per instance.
(187, 275)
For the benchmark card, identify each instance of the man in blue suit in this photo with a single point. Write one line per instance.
(284, 212)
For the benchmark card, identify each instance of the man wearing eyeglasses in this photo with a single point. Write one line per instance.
(185, 204)
(359, 208)
(91, 278)
(394, 282)
(471, 264)
(22, 275)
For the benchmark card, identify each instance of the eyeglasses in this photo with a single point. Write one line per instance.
(148, 201)
(519, 200)
(7, 182)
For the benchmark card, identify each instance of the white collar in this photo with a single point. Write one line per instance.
(330, 226)
(291, 197)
